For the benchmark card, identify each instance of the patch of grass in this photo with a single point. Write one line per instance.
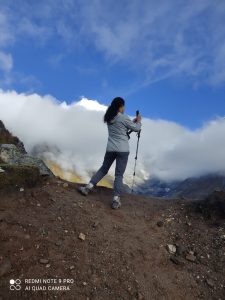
(19, 176)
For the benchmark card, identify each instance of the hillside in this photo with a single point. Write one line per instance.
(125, 254)
(149, 249)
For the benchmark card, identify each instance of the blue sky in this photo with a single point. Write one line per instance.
(166, 58)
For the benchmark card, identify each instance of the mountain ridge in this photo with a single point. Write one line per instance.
(190, 188)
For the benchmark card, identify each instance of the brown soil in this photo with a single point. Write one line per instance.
(124, 254)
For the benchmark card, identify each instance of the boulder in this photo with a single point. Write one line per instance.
(11, 155)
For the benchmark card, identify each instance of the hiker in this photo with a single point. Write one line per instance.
(117, 148)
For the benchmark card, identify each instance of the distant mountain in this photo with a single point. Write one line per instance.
(194, 188)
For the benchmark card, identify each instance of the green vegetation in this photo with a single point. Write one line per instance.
(19, 176)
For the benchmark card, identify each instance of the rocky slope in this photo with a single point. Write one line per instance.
(149, 249)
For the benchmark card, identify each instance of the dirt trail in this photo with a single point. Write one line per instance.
(124, 254)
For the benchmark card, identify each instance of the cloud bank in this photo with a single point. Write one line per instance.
(76, 138)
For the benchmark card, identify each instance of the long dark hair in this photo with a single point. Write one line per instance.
(113, 109)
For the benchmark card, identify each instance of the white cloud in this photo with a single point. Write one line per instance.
(6, 66)
(6, 34)
(91, 104)
(6, 39)
(166, 39)
(39, 33)
(162, 38)
(77, 136)
(6, 62)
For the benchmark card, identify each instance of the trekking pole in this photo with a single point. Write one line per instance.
(138, 135)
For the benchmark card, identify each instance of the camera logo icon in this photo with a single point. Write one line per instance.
(15, 284)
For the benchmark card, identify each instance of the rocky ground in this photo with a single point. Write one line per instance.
(149, 249)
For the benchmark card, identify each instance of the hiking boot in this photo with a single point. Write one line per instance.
(116, 202)
(85, 190)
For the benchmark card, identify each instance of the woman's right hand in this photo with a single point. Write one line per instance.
(137, 119)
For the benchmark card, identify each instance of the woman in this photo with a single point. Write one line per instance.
(117, 148)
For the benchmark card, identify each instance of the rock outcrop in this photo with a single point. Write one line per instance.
(17, 167)
(7, 138)
(12, 155)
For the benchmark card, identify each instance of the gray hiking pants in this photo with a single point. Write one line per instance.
(121, 163)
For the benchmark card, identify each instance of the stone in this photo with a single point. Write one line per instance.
(171, 249)
(168, 220)
(140, 296)
(191, 257)
(5, 266)
(160, 223)
(43, 261)
(180, 250)
(82, 236)
(210, 283)
(65, 184)
(58, 243)
(21, 189)
(176, 260)
(95, 224)
(1, 170)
